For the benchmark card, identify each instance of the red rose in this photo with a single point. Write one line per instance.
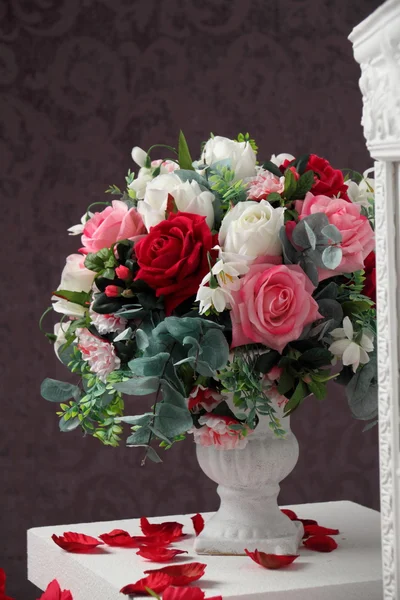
(329, 181)
(370, 277)
(172, 258)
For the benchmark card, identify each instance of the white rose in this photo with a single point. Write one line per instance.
(74, 278)
(188, 196)
(279, 159)
(252, 229)
(241, 154)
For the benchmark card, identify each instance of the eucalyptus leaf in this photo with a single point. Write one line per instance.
(57, 391)
(124, 335)
(69, 425)
(138, 386)
(332, 233)
(172, 420)
(136, 419)
(152, 455)
(362, 392)
(140, 437)
(142, 340)
(147, 366)
(332, 257)
(311, 235)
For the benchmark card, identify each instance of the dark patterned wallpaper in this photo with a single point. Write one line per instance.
(82, 81)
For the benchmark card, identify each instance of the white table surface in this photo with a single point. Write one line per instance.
(352, 572)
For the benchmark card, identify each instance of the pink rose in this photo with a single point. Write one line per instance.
(357, 235)
(216, 431)
(263, 184)
(272, 306)
(114, 223)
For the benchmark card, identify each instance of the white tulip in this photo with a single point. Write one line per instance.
(74, 278)
(240, 154)
(345, 347)
(188, 196)
(252, 229)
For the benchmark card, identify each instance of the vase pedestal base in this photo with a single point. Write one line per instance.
(236, 540)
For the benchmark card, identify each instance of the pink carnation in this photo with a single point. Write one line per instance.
(216, 431)
(204, 397)
(263, 184)
(99, 355)
(357, 234)
(272, 306)
(114, 223)
(108, 323)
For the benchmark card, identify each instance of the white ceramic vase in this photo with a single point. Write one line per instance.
(249, 516)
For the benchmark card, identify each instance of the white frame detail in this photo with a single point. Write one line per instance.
(376, 44)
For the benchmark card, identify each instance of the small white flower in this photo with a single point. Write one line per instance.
(363, 192)
(351, 352)
(208, 297)
(78, 229)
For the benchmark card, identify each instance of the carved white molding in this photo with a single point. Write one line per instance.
(376, 43)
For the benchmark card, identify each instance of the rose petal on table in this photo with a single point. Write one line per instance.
(3, 578)
(156, 554)
(171, 528)
(119, 538)
(289, 513)
(319, 530)
(320, 543)
(162, 539)
(307, 521)
(182, 574)
(54, 592)
(198, 523)
(272, 561)
(156, 581)
(186, 593)
(76, 542)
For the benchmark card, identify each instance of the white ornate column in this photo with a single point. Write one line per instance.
(376, 44)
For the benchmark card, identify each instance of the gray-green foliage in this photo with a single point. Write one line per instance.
(362, 391)
(174, 354)
(315, 245)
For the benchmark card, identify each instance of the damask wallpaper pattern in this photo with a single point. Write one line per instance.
(81, 82)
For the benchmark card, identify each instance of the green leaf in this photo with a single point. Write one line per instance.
(290, 184)
(362, 392)
(140, 437)
(286, 382)
(124, 335)
(298, 395)
(142, 340)
(184, 158)
(171, 395)
(149, 366)
(160, 435)
(304, 184)
(272, 168)
(172, 420)
(138, 386)
(151, 593)
(274, 197)
(301, 163)
(332, 233)
(142, 420)
(317, 388)
(153, 456)
(68, 425)
(93, 262)
(81, 298)
(355, 307)
(316, 358)
(266, 361)
(57, 391)
(109, 274)
(311, 236)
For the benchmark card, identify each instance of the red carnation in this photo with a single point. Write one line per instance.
(370, 277)
(329, 181)
(172, 258)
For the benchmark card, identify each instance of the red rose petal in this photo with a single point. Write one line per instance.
(289, 513)
(168, 528)
(119, 538)
(198, 523)
(319, 530)
(157, 582)
(159, 554)
(3, 578)
(53, 592)
(272, 561)
(307, 521)
(163, 539)
(186, 593)
(320, 543)
(76, 542)
(182, 574)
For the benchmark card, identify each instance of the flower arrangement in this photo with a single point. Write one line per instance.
(224, 287)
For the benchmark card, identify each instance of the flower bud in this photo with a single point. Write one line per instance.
(139, 156)
(113, 291)
(123, 273)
